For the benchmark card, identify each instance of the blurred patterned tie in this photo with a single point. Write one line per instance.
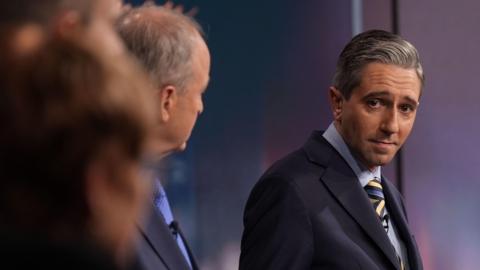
(375, 194)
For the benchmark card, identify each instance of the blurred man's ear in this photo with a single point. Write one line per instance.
(336, 102)
(67, 23)
(168, 96)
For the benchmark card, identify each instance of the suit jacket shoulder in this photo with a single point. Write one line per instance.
(309, 211)
(277, 223)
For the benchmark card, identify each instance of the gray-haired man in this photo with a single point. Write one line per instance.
(327, 206)
(171, 48)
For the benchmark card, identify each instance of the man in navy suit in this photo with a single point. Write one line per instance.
(326, 205)
(170, 46)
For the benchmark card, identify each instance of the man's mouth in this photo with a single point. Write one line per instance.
(383, 143)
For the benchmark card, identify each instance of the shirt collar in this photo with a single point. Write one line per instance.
(363, 174)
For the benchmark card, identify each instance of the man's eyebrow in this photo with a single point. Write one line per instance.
(377, 94)
(411, 100)
(386, 94)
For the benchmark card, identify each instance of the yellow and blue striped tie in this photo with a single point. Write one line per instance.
(375, 194)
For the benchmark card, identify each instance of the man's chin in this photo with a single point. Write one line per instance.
(375, 160)
(161, 150)
(383, 160)
(182, 147)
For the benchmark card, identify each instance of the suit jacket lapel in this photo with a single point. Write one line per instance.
(397, 213)
(192, 258)
(159, 236)
(345, 187)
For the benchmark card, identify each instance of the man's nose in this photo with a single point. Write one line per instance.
(390, 123)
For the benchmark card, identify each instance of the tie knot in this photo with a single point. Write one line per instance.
(375, 194)
(374, 189)
(375, 182)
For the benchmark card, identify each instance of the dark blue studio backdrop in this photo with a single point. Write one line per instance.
(272, 63)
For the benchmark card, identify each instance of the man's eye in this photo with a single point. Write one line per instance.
(374, 103)
(406, 108)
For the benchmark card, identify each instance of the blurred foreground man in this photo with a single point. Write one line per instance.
(71, 141)
(326, 205)
(171, 48)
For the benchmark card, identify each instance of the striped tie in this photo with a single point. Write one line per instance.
(375, 194)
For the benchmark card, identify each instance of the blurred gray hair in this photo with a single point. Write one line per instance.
(373, 46)
(163, 41)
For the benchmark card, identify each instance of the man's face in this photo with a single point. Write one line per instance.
(190, 103)
(378, 117)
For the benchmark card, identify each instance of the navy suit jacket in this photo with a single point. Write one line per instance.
(157, 249)
(309, 211)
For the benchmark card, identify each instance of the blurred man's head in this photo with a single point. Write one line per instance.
(89, 21)
(48, 12)
(375, 95)
(97, 30)
(171, 48)
(74, 128)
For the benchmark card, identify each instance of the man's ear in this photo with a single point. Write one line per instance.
(67, 23)
(168, 97)
(336, 102)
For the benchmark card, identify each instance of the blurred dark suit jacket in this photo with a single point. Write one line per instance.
(309, 211)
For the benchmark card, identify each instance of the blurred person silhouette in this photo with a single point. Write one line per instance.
(170, 45)
(75, 128)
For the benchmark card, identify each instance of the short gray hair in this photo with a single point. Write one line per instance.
(373, 46)
(163, 41)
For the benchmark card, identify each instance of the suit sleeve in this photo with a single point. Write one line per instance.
(277, 229)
